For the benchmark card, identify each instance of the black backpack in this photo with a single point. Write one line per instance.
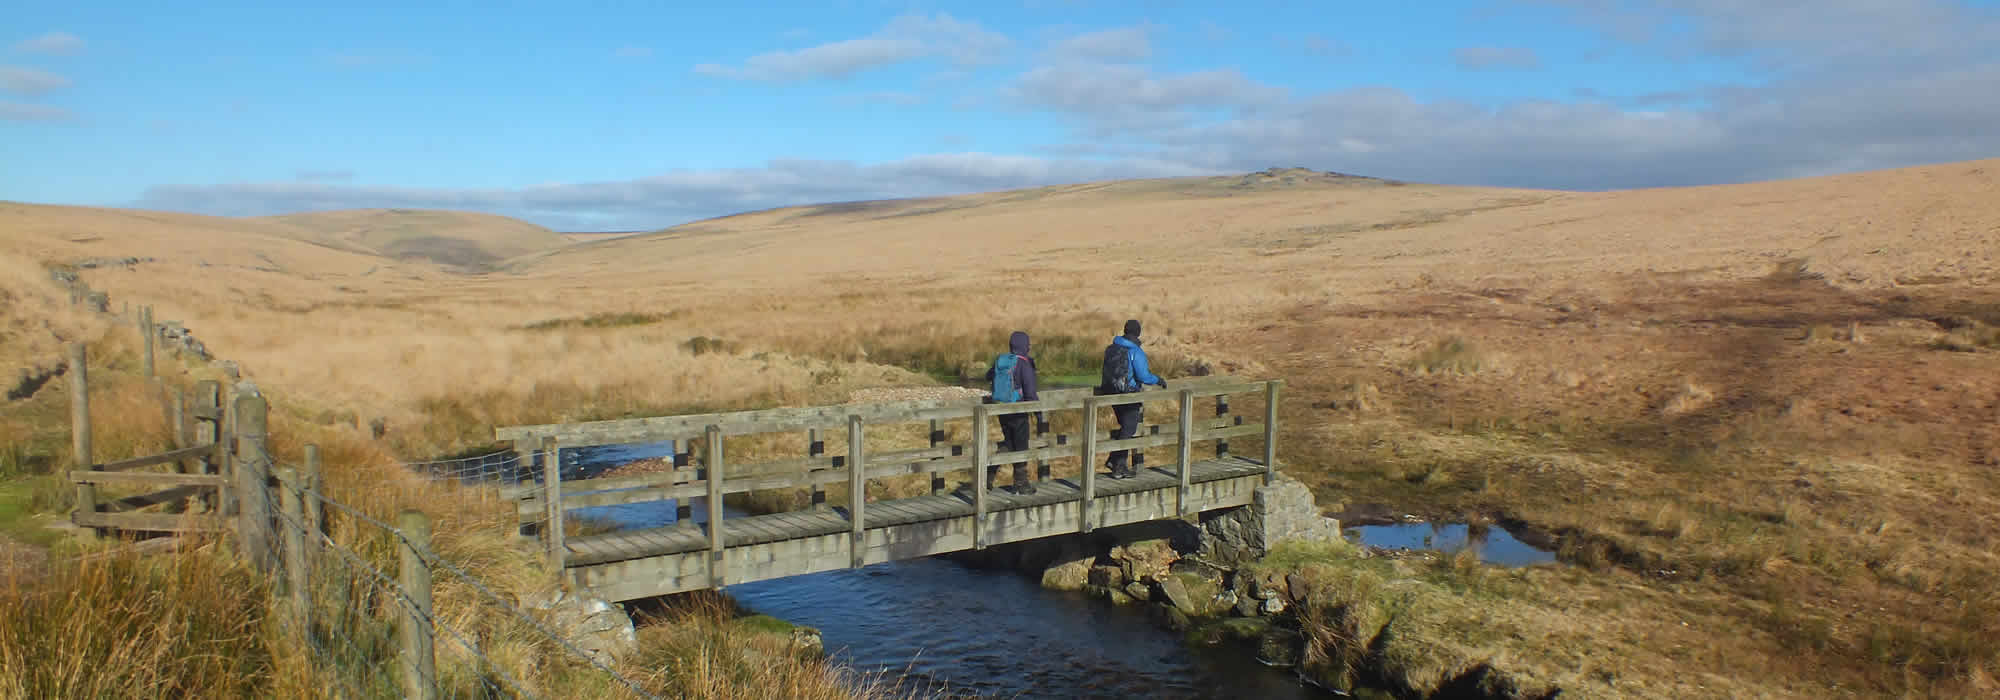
(1117, 377)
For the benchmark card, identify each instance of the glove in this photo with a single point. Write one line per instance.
(1163, 384)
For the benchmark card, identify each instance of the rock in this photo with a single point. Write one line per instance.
(1107, 575)
(1069, 572)
(1138, 591)
(1263, 589)
(598, 628)
(1177, 595)
(1175, 619)
(1145, 560)
(1246, 606)
(1295, 587)
(1272, 606)
(806, 641)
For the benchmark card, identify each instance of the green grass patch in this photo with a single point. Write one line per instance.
(619, 319)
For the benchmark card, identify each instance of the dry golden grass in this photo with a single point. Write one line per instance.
(1735, 405)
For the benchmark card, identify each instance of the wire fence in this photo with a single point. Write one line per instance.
(361, 596)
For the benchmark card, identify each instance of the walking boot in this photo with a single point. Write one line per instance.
(1022, 484)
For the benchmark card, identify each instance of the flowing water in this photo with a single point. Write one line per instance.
(989, 633)
(1495, 545)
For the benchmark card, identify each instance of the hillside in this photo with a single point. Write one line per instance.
(465, 240)
(1867, 230)
(1759, 422)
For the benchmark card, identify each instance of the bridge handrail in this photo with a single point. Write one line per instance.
(789, 419)
(713, 480)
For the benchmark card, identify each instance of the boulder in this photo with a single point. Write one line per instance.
(1145, 560)
(1108, 575)
(1246, 606)
(599, 629)
(1139, 591)
(1272, 606)
(1069, 572)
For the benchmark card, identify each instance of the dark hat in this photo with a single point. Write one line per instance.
(1132, 328)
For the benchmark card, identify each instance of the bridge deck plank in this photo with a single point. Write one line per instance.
(681, 538)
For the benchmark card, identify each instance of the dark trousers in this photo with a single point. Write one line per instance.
(1013, 438)
(1128, 427)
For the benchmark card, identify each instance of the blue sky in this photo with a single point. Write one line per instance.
(588, 116)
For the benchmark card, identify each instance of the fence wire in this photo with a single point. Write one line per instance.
(356, 610)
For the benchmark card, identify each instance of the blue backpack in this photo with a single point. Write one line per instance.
(1117, 375)
(1004, 390)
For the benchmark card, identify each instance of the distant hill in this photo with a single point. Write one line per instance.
(464, 240)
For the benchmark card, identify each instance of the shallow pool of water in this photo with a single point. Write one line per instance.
(1495, 544)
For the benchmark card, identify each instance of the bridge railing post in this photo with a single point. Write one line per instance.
(857, 480)
(982, 446)
(1185, 453)
(1221, 411)
(717, 566)
(1085, 508)
(1271, 430)
(936, 437)
(814, 448)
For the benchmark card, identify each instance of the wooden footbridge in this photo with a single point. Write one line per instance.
(885, 448)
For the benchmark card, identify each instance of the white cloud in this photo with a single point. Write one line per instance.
(56, 43)
(1495, 58)
(19, 112)
(905, 38)
(1120, 44)
(28, 81)
(674, 197)
(836, 60)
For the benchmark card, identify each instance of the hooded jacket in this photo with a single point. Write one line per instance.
(1137, 356)
(1024, 369)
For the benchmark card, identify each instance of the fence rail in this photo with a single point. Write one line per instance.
(351, 589)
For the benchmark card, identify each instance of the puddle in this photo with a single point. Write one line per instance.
(1495, 544)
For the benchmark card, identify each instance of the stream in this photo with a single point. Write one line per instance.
(941, 624)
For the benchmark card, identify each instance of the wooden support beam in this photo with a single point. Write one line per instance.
(149, 460)
(146, 478)
(146, 331)
(936, 437)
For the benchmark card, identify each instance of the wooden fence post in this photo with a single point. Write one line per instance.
(79, 434)
(981, 448)
(552, 496)
(147, 333)
(418, 633)
(298, 575)
(1089, 429)
(1271, 430)
(309, 496)
(253, 494)
(208, 431)
(1186, 451)
(717, 564)
(857, 479)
